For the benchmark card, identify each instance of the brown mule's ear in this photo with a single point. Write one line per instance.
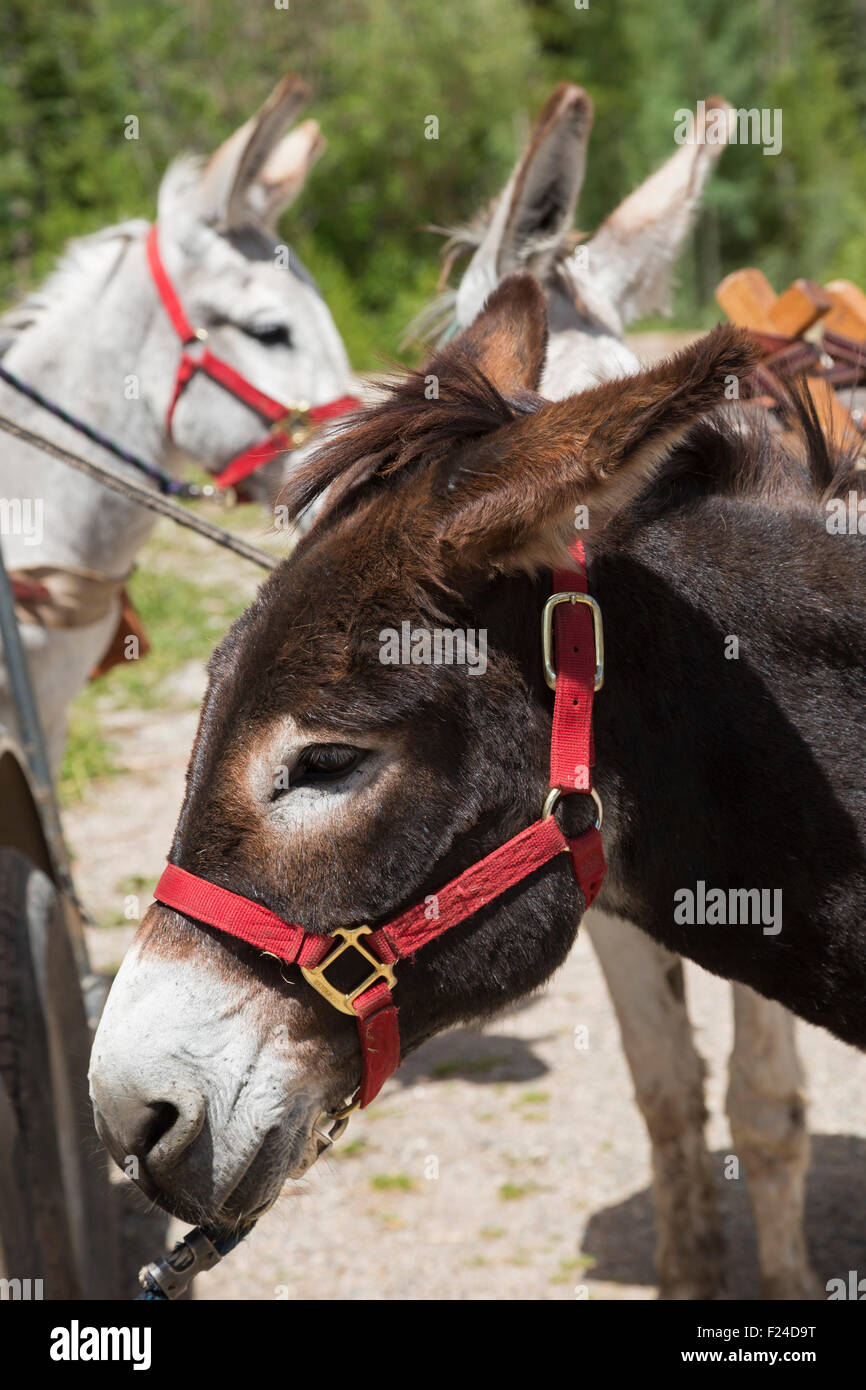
(501, 355)
(508, 339)
(511, 498)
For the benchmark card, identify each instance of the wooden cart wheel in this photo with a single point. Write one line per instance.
(54, 1160)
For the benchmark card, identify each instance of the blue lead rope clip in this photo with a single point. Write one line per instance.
(169, 1277)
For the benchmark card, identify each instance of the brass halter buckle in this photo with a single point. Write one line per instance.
(315, 975)
(296, 423)
(547, 635)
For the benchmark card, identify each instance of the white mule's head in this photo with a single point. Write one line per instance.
(245, 287)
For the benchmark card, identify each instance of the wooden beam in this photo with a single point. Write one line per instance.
(848, 313)
(798, 307)
(747, 297)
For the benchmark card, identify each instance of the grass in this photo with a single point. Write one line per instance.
(184, 620)
(391, 1221)
(88, 754)
(568, 1268)
(467, 1066)
(513, 1191)
(353, 1149)
(391, 1182)
(132, 884)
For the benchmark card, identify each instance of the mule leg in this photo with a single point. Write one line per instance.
(647, 989)
(767, 1112)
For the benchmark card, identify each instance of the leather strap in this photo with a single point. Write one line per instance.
(572, 753)
(181, 324)
(238, 916)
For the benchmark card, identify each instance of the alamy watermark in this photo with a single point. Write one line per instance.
(846, 516)
(77, 1343)
(853, 1288)
(725, 125)
(437, 646)
(716, 907)
(22, 516)
(21, 1290)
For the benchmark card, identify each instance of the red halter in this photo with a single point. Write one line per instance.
(579, 644)
(291, 425)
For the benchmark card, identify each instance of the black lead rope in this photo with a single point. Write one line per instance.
(172, 487)
(134, 490)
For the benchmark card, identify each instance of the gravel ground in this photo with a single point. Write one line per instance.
(497, 1164)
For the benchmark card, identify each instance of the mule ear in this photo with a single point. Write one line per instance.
(507, 341)
(629, 262)
(285, 171)
(537, 207)
(510, 500)
(228, 192)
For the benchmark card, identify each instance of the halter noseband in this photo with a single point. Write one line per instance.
(576, 675)
(291, 425)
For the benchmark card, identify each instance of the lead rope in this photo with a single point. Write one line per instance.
(173, 487)
(168, 1277)
(154, 501)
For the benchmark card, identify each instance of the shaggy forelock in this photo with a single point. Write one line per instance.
(403, 429)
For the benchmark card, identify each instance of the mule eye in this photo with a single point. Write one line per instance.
(324, 762)
(271, 334)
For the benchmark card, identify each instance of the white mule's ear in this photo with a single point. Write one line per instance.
(229, 193)
(286, 170)
(536, 209)
(628, 264)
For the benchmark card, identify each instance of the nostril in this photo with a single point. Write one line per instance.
(155, 1131)
(163, 1116)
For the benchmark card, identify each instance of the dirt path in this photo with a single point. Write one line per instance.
(498, 1164)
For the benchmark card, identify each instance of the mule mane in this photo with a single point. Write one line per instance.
(739, 455)
(85, 265)
(728, 453)
(405, 427)
(437, 321)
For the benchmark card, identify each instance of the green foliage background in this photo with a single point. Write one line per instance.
(192, 71)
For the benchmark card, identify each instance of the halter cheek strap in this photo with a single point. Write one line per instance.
(575, 672)
(291, 425)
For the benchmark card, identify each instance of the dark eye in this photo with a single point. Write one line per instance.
(271, 334)
(324, 762)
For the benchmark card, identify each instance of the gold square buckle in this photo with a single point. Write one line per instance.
(296, 423)
(547, 635)
(315, 975)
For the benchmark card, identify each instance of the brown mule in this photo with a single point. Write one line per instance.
(336, 788)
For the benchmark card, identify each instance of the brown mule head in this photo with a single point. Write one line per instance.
(335, 786)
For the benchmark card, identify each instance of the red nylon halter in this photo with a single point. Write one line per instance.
(297, 418)
(578, 646)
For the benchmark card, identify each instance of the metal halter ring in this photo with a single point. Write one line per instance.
(556, 792)
(340, 1120)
